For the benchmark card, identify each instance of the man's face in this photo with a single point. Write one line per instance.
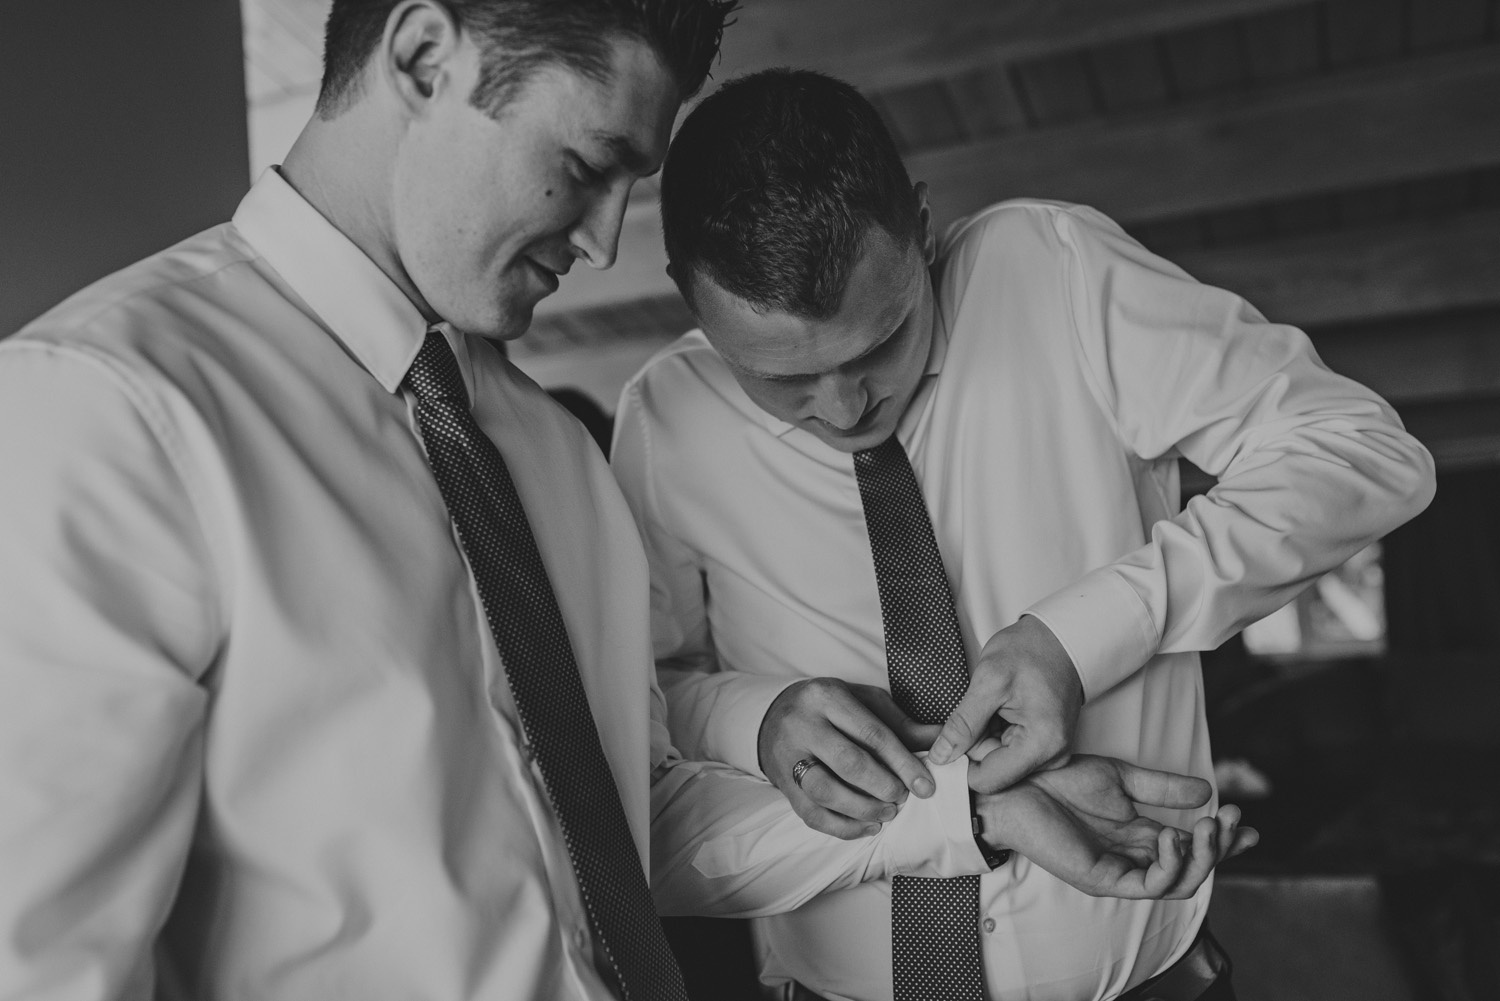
(846, 380)
(488, 213)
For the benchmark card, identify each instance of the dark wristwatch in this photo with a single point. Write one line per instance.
(994, 858)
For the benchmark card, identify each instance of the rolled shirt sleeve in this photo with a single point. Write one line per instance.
(105, 625)
(1311, 466)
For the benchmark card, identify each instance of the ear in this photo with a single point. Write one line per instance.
(926, 239)
(417, 51)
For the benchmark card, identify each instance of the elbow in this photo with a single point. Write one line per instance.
(1412, 489)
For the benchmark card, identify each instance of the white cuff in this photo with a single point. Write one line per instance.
(934, 837)
(739, 709)
(1105, 627)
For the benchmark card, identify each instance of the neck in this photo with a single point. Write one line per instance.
(342, 167)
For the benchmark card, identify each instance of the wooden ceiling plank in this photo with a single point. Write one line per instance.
(1301, 216)
(1439, 24)
(1369, 206)
(1419, 359)
(1283, 45)
(1056, 89)
(1208, 59)
(922, 116)
(878, 44)
(1363, 274)
(1242, 225)
(1441, 195)
(1434, 115)
(1421, 117)
(1487, 184)
(1129, 75)
(1362, 31)
(986, 102)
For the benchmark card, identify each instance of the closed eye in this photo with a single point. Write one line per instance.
(584, 172)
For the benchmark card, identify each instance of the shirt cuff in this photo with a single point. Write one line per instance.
(1103, 625)
(934, 837)
(738, 711)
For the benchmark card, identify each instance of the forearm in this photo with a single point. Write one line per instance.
(728, 844)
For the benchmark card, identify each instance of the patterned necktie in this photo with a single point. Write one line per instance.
(935, 954)
(528, 627)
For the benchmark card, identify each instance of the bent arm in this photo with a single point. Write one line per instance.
(1311, 466)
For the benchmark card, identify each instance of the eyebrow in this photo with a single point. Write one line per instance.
(626, 153)
(797, 376)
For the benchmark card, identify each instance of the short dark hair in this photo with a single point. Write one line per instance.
(521, 36)
(771, 185)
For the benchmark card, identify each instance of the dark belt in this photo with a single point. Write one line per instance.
(1202, 974)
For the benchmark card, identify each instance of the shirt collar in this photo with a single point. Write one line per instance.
(351, 296)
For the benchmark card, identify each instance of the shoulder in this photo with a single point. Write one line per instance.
(158, 295)
(1021, 226)
(685, 383)
(140, 328)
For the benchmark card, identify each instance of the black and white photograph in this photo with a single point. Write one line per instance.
(750, 500)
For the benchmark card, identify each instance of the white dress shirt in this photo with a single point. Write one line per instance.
(255, 737)
(1069, 370)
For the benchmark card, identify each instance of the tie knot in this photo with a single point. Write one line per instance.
(434, 373)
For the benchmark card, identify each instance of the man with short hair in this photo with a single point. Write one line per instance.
(306, 594)
(325, 666)
(900, 490)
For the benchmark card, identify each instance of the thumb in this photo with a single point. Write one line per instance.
(965, 726)
(1007, 764)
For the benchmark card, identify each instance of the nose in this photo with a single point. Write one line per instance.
(840, 401)
(595, 238)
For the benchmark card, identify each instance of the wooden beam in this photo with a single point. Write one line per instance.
(1389, 123)
(1420, 117)
(878, 44)
(1461, 434)
(1421, 359)
(1364, 273)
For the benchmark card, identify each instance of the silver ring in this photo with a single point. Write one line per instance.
(800, 769)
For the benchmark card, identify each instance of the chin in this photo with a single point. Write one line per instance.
(507, 323)
(859, 442)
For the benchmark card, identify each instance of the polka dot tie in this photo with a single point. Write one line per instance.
(528, 627)
(935, 954)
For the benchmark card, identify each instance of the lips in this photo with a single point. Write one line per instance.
(548, 277)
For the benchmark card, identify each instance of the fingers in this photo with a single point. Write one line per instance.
(1234, 839)
(873, 723)
(1203, 856)
(968, 721)
(828, 791)
(1244, 839)
(1158, 788)
(827, 821)
(822, 720)
(1023, 751)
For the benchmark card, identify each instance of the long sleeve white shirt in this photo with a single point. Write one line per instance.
(255, 737)
(1069, 370)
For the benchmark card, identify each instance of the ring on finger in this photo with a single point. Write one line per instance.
(801, 768)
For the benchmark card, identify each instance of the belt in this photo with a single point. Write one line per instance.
(1190, 978)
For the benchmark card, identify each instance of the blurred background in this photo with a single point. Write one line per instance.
(1337, 162)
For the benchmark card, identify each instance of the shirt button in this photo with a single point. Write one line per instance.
(989, 924)
(527, 752)
(581, 939)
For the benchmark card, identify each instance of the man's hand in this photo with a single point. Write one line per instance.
(1079, 822)
(859, 738)
(1026, 677)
